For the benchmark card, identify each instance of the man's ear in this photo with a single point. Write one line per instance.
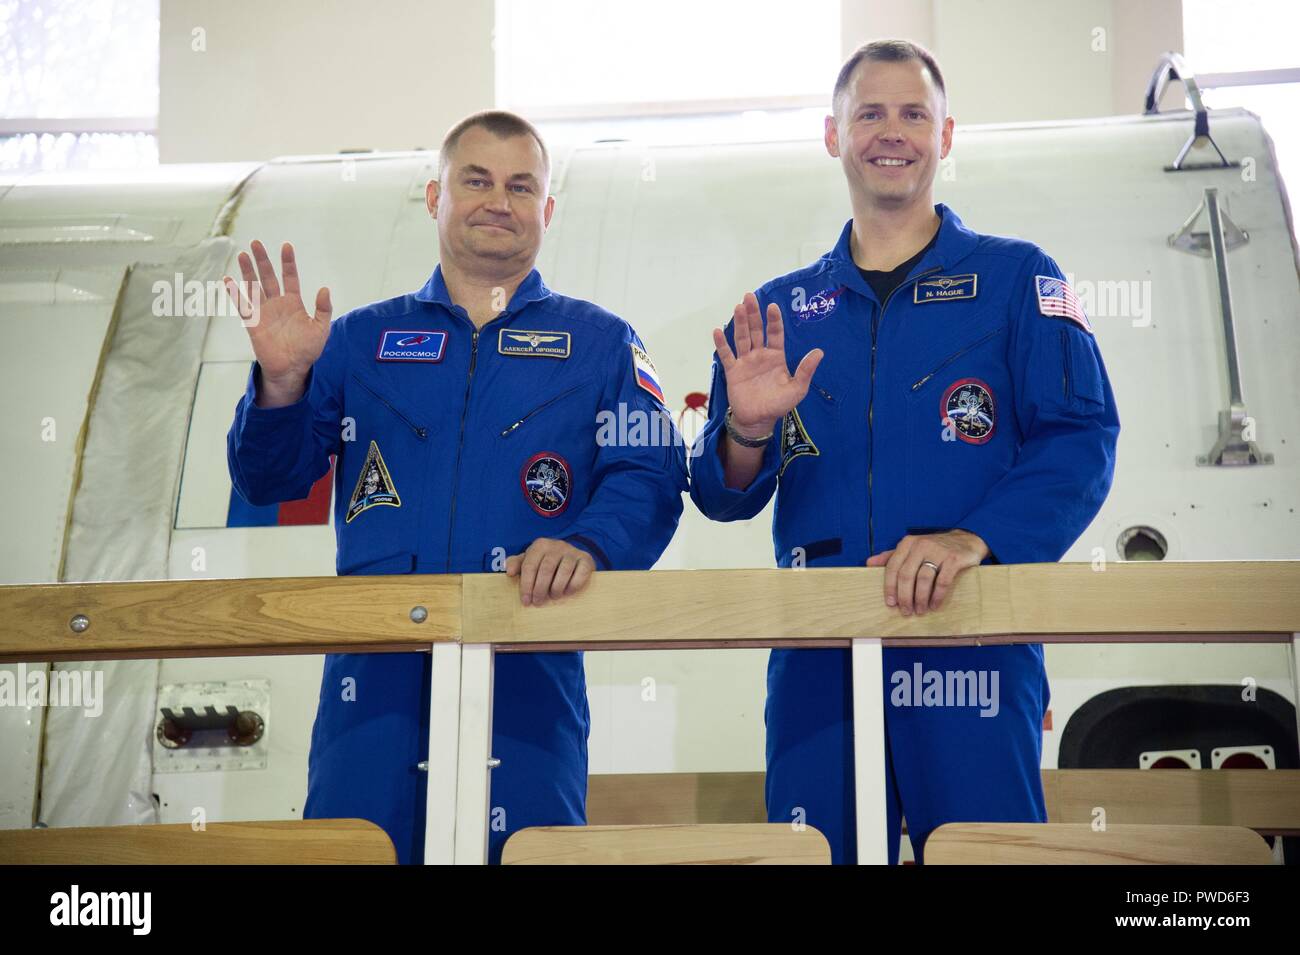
(431, 192)
(832, 137)
(548, 212)
(945, 140)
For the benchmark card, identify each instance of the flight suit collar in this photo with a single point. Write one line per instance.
(531, 289)
(954, 243)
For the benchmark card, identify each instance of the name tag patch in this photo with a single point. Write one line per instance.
(412, 346)
(525, 343)
(944, 288)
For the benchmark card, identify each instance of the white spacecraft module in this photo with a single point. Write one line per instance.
(123, 362)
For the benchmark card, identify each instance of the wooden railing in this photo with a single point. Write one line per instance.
(463, 619)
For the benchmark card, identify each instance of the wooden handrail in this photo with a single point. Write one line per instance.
(1267, 801)
(1200, 601)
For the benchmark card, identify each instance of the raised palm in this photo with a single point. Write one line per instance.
(759, 385)
(286, 339)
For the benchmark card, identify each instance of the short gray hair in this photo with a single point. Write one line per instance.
(500, 123)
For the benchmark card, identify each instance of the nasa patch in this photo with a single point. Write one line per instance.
(521, 341)
(411, 346)
(546, 483)
(374, 485)
(795, 440)
(968, 404)
(818, 305)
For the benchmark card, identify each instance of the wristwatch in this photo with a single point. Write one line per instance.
(740, 439)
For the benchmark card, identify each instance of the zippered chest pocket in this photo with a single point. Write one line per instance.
(533, 413)
(934, 368)
(963, 399)
(381, 484)
(376, 400)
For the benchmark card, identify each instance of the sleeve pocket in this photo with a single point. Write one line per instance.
(1083, 385)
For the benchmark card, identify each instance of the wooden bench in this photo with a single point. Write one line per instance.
(295, 842)
(743, 844)
(1017, 843)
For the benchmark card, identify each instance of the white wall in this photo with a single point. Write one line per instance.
(1024, 60)
(317, 76)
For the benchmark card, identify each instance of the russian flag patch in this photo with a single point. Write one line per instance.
(646, 375)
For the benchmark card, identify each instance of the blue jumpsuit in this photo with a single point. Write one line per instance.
(973, 397)
(456, 448)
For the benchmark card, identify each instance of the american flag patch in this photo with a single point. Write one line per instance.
(1055, 297)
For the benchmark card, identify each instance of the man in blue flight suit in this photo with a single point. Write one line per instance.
(465, 418)
(950, 408)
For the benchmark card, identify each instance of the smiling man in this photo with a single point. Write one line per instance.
(948, 408)
(465, 420)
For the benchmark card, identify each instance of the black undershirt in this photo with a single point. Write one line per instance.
(882, 282)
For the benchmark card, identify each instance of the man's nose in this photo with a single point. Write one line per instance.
(499, 201)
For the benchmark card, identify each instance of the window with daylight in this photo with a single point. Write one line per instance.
(1237, 42)
(750, 67)
(78, 84)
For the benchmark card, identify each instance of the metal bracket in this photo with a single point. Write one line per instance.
(1199, 243)
(239, 728)
(212, 726)
(1173, 66)
(1233, 448)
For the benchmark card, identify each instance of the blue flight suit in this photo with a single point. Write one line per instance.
(973, 397)
(457, 447)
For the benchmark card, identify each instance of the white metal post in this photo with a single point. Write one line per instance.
(444, 741)
(473, 777)
(869, 751)
(1295, 677)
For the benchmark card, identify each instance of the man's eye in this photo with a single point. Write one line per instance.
(474, 182)
(916, 114)
(868, 114)
(522, 188)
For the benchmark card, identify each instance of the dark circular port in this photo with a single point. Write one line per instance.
(1142, 543)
